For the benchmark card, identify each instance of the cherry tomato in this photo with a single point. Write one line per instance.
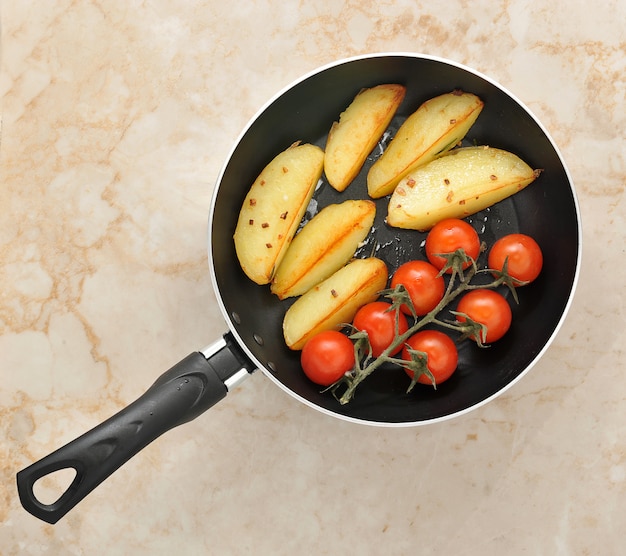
(486, 307)
(327, 356)
(441, 351)
(523, 253)
(423, 284)
(379, 322)
(449, 235)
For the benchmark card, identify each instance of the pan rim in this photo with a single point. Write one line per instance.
(229, 319)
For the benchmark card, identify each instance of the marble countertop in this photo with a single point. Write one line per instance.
(116, 119)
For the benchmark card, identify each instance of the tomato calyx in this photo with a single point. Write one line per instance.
(399, 296)
(503, 277)
(469, 328)
(458, 261)
(363, 352)
(419, 366)
(362, 348)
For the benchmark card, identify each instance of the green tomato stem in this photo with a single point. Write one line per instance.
(400, 297)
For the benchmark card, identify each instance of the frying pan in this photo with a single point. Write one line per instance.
(547, 210)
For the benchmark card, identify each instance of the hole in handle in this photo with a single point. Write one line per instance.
(49, 488)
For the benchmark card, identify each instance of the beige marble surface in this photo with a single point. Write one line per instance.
(116, 119)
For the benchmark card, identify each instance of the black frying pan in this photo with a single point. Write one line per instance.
(546, 210)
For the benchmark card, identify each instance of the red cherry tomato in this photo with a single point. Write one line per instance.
(486, 307)
(379, 322)
(441, 351)
(327, 356)
(449, 235)
(423, 284)
(525, 259)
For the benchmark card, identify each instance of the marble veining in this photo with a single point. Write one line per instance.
(116, 120)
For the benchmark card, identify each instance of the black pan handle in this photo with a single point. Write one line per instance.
(179, 395)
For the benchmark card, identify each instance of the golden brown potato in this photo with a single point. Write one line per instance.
(273, 209)
(323, 246)
(456, 185)
(335, 301)
(359, 128)
(434, 128)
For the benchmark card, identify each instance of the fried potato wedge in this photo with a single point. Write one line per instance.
(273, 208)
(456, 185)
(335, 301)
(358, 130)
(434, 128)
(325, 244)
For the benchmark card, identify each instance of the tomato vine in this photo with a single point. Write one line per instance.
(462, 279)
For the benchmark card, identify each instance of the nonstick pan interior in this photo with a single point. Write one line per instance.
(546, 210)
